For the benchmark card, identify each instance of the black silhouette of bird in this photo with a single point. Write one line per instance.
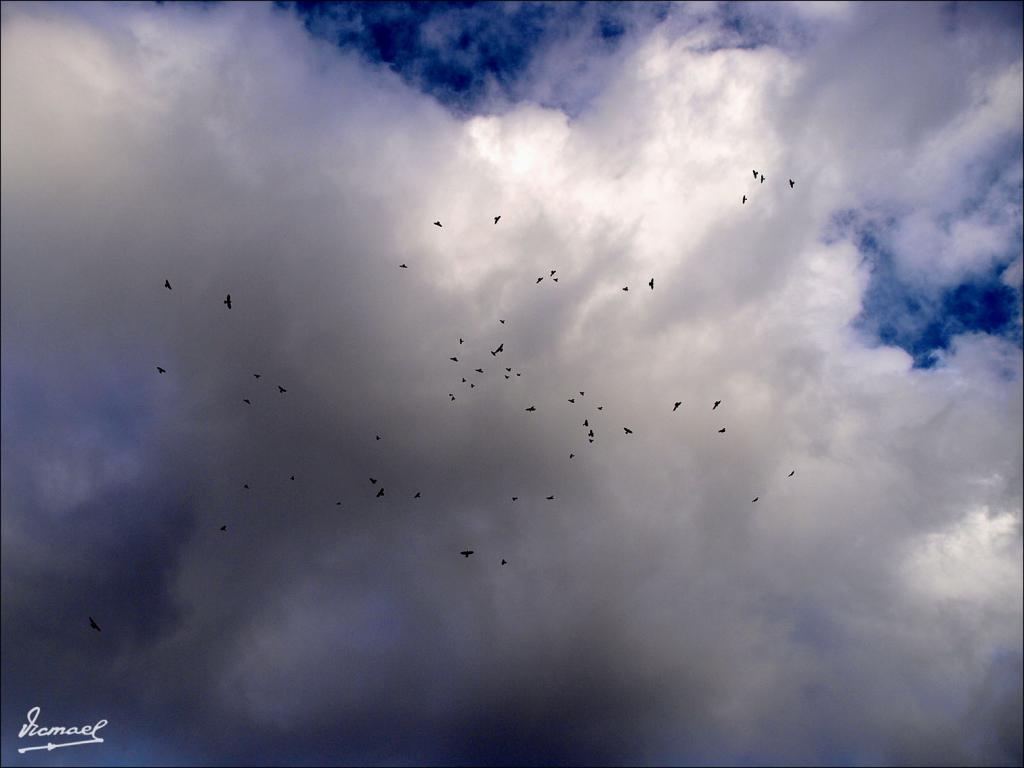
(256, 375)
(161, 370)
(792, 183)
(337, 503)
(246, 486)
(509, 370)
(744, 199)
(281, 389)
(762, 178)
(717, 403)
(550, 498)
(586, 422)
(538, 280)
(721, 430)
(581, 394)
(223, 527)
(460, 340)
(417, 495)
(552, 273)
(628, 430)
(378, 437)
(651, 283)
(466, 552)
(590, 434)
(502, 322)
(555, 279)
(247, 401)
(590, 440)
(676, 406)
(437, 223)
(479, 370)
(373, 480)
(531, 409)
(228, 301)
(450, 395)
(501, 348)
(472, 386)
(791, 473)
(600, 407)
(507, 376)
(167, 284)
(626, 288)
(755, 174)
(504, 561)
(496, 218)
(292, 477)
(755, 499)
(515, 498)
(454, 359)
(403, 266)
(571, 455)
(94, 625)
(572, 399)
(380, 492)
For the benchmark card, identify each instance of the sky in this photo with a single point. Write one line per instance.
(862, 329)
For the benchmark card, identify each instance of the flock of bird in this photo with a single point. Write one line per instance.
(508, 374)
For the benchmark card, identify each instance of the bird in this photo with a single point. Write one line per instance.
(460, 340)
(744, 199)
(167, 284)
(762, 178)
(581, 394)
(437, 223)
(571, 455)
(466, 552)
(246, 486)
(600, 407)
(479, 370)
(223, 527)
(161, 370)
(380, 492)
(590, 434)
(628, 430)
(755, 174)
(572, 399)
(676, 406)
(247, 401)
(451, 396)
(281, 389)
(94, 625)
(717, 403)
(471, 386)
(502, 322)
(792, 183)
(228, 301)
(626, 288)
(509, 370)
(417, 495)
(504, 561)
(721, 430)
(501, 348)
(552, 273)
(755, 499)
(538, 280)
(463, 379)
(555, 279)
(515, 498)
(378, 437)
(496, 218)
(550, 498)
(373, 480)
(531, 409)
(454, 359)
(337, 503)
(651, 283)
(256, 375)
(791, 473)
(507, 376)
(292, 477)
(403, 266)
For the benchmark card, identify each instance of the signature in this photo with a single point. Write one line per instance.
(31, 729)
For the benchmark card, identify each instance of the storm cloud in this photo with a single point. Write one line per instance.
(865, 610)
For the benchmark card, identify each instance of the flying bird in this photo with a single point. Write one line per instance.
(721, 430)
(717, 403)
(380, 492)
(502, 322)
(479, 370)
(628, 430)
(555, 279)
(460, 340)
(223, 527)
(762, 178)
(586, 422)
(451, 396)
(651, 283)
(466, 552)
(676, 406)
(572, 399)
(755, 499)
(626, 288)
(496, 218)
(581, 394)
(507, 376)
(167, 284)
(504, 561)
(247, 401)
(161, 370)
(600, 407)
(378, 437)
(515, 498)
(256, 375)
(246, 486)
(590, 434)
(337, 503)
(744, 199)
(417, 495)
(755, 174)
(552, 273)
(501, 348)
(94, 625)
(550, 498)
(292, 477)
(454, 359)
(792, 183)
(437, 223)
(373, 480)
(403, 266)
(538, 280)
(791, 473)
(281, 389)
(571, 455)
(531, 409)
(228, 301)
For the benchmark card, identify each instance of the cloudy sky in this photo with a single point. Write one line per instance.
(862, 328)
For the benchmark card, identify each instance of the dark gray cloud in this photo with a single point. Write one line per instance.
(866, 610)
